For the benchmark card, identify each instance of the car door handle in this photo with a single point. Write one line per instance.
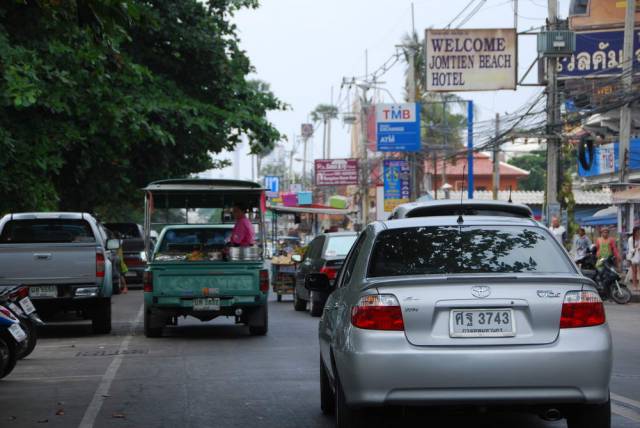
(42, 256)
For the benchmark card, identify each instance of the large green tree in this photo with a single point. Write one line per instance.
(99, 97)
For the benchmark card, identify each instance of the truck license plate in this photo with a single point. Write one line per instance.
(206, 304)
(482, 323)
(27, 306)
(17, 332)
(43, 291)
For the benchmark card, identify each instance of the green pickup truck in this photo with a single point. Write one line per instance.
(192, 270)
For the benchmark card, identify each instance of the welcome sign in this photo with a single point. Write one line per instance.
(471, 60)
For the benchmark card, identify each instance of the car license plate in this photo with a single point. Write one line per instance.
(17, 332)
(27, 306)
(206, 304)
(482, 323)
(130, 274)
(43, 291)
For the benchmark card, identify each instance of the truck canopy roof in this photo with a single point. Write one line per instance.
(201, 185)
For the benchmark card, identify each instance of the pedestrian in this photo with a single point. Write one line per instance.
(606, 247)
(243, 234)
(633, 255)
(581, 245)
(558, 231)
(123, 270)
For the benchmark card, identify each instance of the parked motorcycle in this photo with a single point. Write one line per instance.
(16, 299)
(11, 335)
(603, 272)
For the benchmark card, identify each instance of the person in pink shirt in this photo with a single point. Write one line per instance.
(242, 234)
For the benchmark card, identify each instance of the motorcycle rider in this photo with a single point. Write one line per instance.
(581, 245)
(606, 247)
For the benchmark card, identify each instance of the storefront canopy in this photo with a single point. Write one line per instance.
(630, 196)
(309, 209)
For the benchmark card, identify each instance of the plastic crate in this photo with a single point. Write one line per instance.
(289, 199)
(305, 198)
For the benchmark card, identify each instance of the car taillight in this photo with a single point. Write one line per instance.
(582, 309)
(100, 265)
(331, 272)
(264, 281)
(20, 293)
(378, 312)
(147, 281)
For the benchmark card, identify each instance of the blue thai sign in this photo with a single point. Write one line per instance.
(397, 187)
(598, 53)
(272, 183)
(606, 159)
(398, 127)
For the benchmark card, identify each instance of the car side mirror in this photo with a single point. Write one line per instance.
(113, 244)
(318, 282)
(296, 258)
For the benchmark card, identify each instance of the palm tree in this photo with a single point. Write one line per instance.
(325, 113)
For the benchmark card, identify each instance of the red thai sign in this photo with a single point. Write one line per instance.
(336, 172)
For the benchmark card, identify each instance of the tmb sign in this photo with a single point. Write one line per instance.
(471, 60)
(336, 172)
(398, 127)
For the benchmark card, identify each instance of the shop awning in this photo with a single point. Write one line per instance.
(309, 209)
(630, 196)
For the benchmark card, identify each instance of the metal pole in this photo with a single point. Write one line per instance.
(412, 157)
(470, 149)
(496, 161)
(304, 164)
(552, 118)
(364, 107)
(329, 139)
(627, 82)
(446, 142)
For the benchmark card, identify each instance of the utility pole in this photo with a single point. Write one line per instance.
(627, 83)
(446, 141)
(553, 117)
(305, 139)
(412, 158)
(496, 161)
(364, 113)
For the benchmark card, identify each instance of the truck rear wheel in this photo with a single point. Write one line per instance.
(101, 319)
(298, 304)
(151, 326)
(259, 321)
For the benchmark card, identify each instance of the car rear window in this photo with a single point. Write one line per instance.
(126, 230)
(46, 231)
(465, 249)
(339, 245)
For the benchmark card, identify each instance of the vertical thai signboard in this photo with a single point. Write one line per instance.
(398, 127)
(397, 188)
(471, 60)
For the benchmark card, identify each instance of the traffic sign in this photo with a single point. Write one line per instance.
(398, 127)
(272, 183)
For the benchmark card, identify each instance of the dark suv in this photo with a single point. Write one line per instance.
(325, 254)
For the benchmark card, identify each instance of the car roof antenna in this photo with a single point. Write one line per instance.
(510, 200)
(460, 220)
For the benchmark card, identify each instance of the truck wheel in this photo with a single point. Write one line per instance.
(101, 321)
(259, 321)
(299, 304)
(27, 346)
(151, 329)
(315, 306)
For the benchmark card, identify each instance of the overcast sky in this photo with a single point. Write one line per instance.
(303, 48)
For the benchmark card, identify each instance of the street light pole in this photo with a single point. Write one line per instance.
(553, 117)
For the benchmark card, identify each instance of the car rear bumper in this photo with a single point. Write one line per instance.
(382, 368)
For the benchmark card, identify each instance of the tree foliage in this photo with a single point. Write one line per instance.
(536, 163)
(100, 97)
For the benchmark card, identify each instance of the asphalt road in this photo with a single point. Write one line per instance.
(216, 375)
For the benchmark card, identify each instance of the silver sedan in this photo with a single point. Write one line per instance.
(452, 311)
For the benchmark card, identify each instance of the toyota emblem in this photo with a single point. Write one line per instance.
(480, 291)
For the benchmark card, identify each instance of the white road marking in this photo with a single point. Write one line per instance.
(625, 412)
(625, 400)
(103, 389)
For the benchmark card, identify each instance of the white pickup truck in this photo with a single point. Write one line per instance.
(65, 259)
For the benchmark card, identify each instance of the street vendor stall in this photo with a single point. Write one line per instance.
(283, 266)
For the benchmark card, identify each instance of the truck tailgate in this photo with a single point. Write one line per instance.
(52, 264)
(206, 279)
